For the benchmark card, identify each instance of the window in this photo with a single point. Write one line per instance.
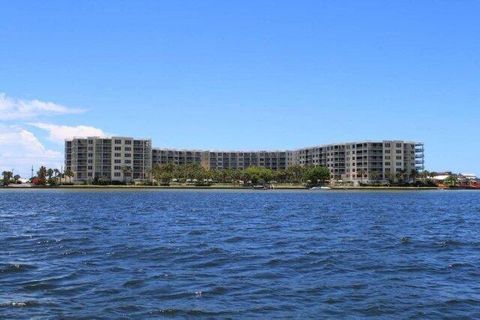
(90, 155)
(118, 161)
(387, 151)
(399, 145)
(398, 157)
(90, 161)
(128, 142)
(117, 174)
(128, 155)
(398, 151)
(118, 154)
(387, 157)
(399, 164)
(128, 148)
(90, 167)
(387, 145)
(118, 168)
(118, 148)
(90, 141)
(118, 141)
(387, 163)
(128, 161)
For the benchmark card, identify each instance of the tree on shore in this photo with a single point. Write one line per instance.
(401, 175)
(126, 172)
(68, 173)
(414, 174)
(451, 181)
(42, 175)
(163, 173)
(7, 176)
(317, 175)
(295, 173)
(50, 173)
(258, 175)
(360, 172)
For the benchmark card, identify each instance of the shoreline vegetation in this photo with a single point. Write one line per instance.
(190, 176)
(222, 187)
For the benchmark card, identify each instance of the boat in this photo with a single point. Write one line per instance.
(320, 188)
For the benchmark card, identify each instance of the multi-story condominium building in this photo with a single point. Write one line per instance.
(215, 160)
(370, 160)
(113, 159)
(178, 157)
(123, 159)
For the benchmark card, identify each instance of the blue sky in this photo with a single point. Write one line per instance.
(240, 75)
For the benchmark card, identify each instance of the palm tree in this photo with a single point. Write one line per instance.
(57, 175)
(7, 176)
(424, 174)
(413, 174)
(126, 171)
(399, 176)
(50, 173)
(374, 175)
(42, 175)
(361, 172)
(69, 173)
(390, 177)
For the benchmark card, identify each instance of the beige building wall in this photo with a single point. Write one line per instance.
(125, 158)
(112, 159)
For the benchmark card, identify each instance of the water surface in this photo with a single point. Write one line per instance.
(233, 254)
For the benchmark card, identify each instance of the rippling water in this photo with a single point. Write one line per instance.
(225, 254)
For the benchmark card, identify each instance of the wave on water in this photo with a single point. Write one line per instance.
(213, 254)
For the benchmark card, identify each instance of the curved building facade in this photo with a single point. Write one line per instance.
(125, 158)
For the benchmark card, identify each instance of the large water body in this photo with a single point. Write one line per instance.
(239, 254)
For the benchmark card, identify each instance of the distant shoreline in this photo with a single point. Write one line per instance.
(218, 187)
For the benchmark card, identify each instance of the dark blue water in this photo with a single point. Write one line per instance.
(215, 254)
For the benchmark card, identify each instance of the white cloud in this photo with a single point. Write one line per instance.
(12, 108)
(20, 150)
(59, 133)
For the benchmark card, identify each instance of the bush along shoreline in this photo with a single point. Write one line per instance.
(196, 177)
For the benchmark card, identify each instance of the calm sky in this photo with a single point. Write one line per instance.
(240, 75)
